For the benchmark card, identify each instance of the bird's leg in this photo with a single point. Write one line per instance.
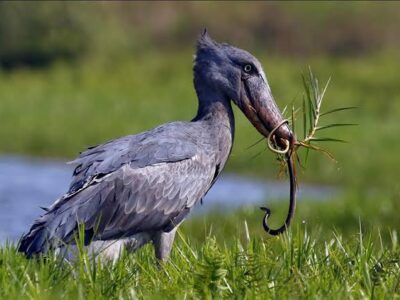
(163, 243)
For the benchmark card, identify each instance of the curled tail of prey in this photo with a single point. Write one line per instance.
(292, 201)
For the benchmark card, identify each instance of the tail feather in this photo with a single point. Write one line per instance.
(44, 235)
(35, 242)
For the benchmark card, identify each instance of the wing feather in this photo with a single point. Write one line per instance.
(167, 143)
(137, 183)
(130, 200)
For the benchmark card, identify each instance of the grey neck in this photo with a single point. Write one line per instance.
(215, 108)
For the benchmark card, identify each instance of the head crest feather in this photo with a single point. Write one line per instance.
(205, 41)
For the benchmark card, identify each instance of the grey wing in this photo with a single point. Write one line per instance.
(124, 202)
(167, 143)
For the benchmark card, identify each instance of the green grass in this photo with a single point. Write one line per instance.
(344, 249)
(60, 111)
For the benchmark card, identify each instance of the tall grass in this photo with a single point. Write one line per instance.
(343, 249)
(296, 265)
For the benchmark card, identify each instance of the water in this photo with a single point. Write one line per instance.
(27, 184)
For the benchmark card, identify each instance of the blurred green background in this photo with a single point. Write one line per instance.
(77, 74)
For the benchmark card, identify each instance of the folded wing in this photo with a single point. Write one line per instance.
(117, 193)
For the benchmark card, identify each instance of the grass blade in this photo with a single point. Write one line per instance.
(318, 149)
(255, 143)
(327, 140)
(335, 125)
(311, 112)
(324, 90)
(284, 110)
(304, 119)
(306, 158)
(338, 109)
(315, 89)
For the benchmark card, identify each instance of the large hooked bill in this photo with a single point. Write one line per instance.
(259, 106)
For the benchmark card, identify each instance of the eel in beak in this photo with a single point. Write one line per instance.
(257, 103)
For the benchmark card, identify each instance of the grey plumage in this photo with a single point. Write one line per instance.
(139, 183)
(143, 186)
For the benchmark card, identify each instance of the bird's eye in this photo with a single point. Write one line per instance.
(247, 68)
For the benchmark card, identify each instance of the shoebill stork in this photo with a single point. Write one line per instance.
(140, 188)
